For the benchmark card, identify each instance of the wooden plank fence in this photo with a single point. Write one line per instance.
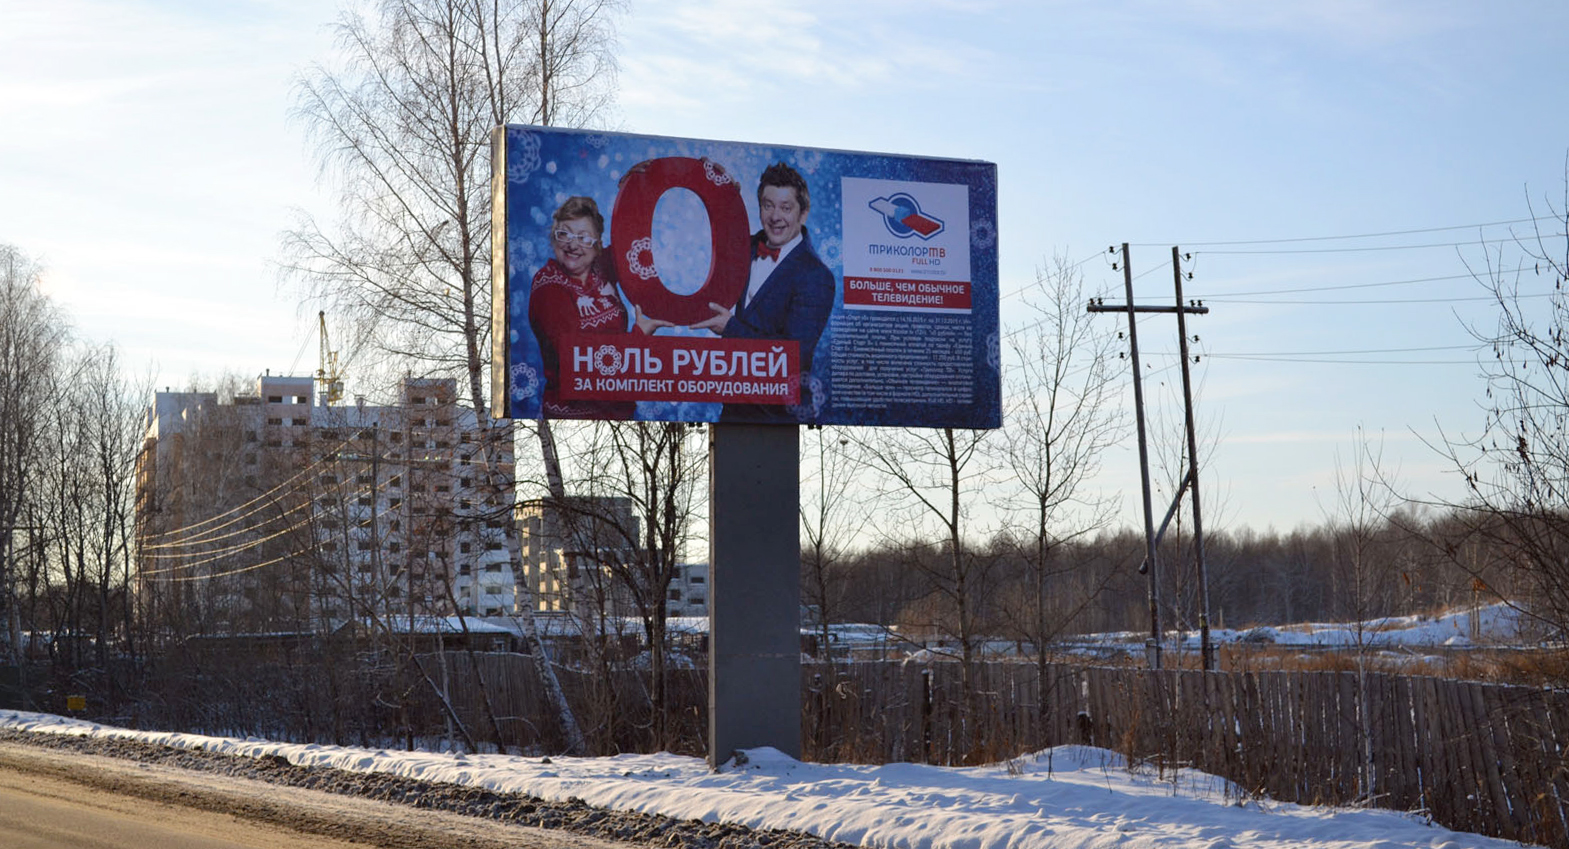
(1491, 759)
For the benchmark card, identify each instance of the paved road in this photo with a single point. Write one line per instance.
(39, 812)
(51, 799)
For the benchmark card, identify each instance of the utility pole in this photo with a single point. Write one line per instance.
(1151, 567)
(1151, 564)
(1206, 649)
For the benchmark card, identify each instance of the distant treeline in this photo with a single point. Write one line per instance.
(1398, 565)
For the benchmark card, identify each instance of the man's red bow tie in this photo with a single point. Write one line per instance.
(763, 250)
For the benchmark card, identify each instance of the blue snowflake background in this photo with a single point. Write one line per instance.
(545, 166)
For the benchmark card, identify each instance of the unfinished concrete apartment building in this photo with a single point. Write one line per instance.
(271, 512)
(579, 555)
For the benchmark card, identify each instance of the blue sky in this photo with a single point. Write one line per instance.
(148, 158)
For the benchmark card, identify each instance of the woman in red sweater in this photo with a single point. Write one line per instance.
(574, 293)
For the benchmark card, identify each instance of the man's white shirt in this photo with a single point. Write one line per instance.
(762, 266)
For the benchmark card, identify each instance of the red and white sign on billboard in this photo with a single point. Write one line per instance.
(905, 258)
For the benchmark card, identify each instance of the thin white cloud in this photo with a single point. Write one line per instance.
(1355, 24)
(709, 51)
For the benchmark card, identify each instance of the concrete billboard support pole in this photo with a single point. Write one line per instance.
(754, 636)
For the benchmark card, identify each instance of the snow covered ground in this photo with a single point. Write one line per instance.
(1065, 797)
(1494, 625)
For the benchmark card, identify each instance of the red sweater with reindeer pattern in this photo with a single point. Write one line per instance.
(559, 305)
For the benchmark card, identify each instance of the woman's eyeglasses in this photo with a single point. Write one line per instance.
(565, 236)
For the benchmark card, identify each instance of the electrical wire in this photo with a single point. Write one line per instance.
(328, 456)
(1369, 248)
(259, 541)
(219, 554)
(156, 553)
(1269, 359)
(1222, 299)
(206, 557)
(251, 568)
(214, 556)
(1477, 347)
(1350, 236)
(1353, 286)
(1039, 283)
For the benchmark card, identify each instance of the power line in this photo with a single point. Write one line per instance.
(311, 547)
(1356, 351)
(1359, 285)
(236, 571)
(206, 557)
(1270, 359)
(1152, 269)
(1038, 282)
(1222, 299)
(1371, 248)
(1474, 347)
(256, 503)
(1350, 236)
(194, 541)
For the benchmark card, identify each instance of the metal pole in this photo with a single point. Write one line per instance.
(1152, 648)
(754, 589)
(1206, 650)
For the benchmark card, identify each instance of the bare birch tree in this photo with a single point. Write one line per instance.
(830, 518)
(931, 479)
(83, 503)
(643, 481)
(1517, 469)
(1062, 417)
(32, 331)
(403, 124)
(1362, 571)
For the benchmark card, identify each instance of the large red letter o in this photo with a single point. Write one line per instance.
(632, 223)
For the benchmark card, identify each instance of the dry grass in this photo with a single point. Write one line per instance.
(1539, 668)
(1542, 668)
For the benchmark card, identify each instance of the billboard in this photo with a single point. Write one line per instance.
(668, 279)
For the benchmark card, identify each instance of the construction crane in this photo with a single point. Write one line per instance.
(328, 375)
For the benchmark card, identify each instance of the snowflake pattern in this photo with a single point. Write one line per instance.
(983, 233)
(521, 256)
(809, 412)
(607, 360)
(994, 350)
(830, 251)
(716, 173)
(525, 381)
(635, 257)
(524, 160)
(597, 141)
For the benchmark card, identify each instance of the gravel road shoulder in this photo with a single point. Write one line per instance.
(374, 808)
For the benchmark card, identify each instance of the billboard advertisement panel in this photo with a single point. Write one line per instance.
(667, 279)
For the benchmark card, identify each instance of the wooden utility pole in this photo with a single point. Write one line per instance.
(1152, 538)
(1206, 649)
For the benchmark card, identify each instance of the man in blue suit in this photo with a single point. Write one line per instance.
(789, 295)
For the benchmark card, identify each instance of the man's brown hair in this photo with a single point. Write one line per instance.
(782, 175)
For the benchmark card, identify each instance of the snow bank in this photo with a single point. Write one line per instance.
(1070, 797)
